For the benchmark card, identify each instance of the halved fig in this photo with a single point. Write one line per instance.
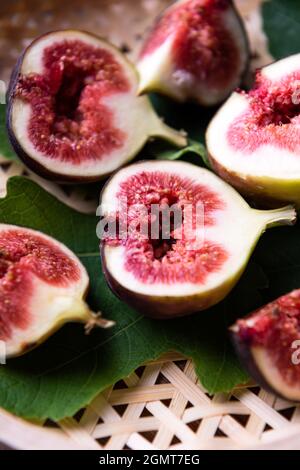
(177, 238)
(268, 344)
(198, 50)
(73, 113)
(254, 140)
(42, 287)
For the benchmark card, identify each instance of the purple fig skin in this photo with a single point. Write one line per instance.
(156, 129)
(157, 304)
(51, 270)
(257, 191)
(245, 77)
(161, 308)
(158, 307)
(247, 360)
(267, 188)
(31, 163)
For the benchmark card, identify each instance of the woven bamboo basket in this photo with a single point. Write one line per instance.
(162, 405)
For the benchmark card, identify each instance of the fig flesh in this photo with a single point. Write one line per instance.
(191, 264)
(198, 50)
(268, 344)
(254, 140)
(42, 287)
(73, 113)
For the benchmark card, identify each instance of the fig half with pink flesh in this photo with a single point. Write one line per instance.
(254, 140)
(198, 50)
(42, 287)
(73, 113)
(167, 268)
(268, 343)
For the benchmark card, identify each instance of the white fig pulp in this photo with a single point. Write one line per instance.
(133, 117)
(235, 228)
(269, 160)
(265, 364)
(48, 306)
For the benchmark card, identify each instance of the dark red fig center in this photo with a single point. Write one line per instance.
(169, 257)
(272, 117)
(276, 327)
(22, 258)
(69, 119)
(204, 46)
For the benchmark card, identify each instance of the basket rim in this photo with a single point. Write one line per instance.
(19, 433)
(24, 435)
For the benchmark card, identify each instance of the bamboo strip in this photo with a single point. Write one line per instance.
(125, 428)
(141, 394)
(177, 406)
(192, 391)
(260, 408)
(256, 423)
(170, 421)
(209, 426)
(236, 432)
(215, 410)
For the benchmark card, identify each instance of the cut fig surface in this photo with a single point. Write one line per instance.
(268, 343)
(191, 264)
(73, 113)
(42, 287)
(198, 50)
(254, 140)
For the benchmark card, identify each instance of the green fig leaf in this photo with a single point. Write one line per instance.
(282, 26)
(70, 368)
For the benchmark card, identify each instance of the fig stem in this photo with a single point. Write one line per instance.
(157, 128)
(275, 218)
(178, 138)
(78, 310)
